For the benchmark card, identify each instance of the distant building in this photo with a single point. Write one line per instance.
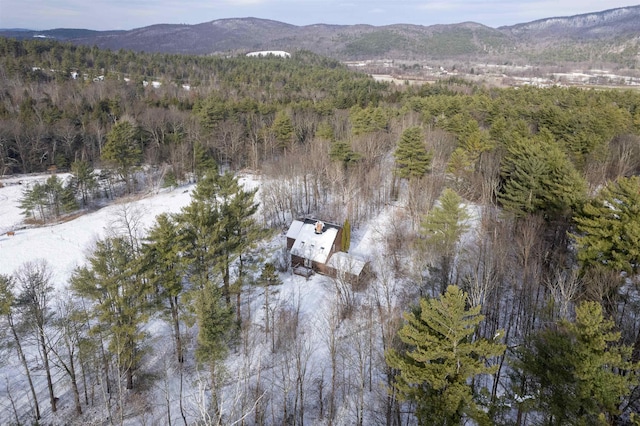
(279, 53)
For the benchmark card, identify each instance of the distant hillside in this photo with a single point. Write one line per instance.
(611, 23)
(62, 34)
(611, 35)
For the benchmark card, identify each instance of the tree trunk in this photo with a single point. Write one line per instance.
(74, 386)
(173, 302)
(23, 360)
(45, 358)
(184, 418)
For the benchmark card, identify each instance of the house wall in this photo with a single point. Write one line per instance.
(321, 268)
(296, 260)
(337, 244)
(357, 282)
(316, 266)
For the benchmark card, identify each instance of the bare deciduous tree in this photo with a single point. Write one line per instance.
(35, 286)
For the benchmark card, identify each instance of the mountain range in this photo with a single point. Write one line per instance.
(610, 36)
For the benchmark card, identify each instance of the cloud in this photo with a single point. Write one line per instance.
(439, 6)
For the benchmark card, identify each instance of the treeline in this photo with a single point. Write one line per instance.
(537, 284)
(48, 118)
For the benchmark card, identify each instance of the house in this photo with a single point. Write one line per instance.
(311, 243)
(316, 246)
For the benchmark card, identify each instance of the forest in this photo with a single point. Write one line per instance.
(506, 290)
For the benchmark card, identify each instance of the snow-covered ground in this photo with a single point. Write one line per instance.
(65, 246)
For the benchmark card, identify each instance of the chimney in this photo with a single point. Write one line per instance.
(319, 227)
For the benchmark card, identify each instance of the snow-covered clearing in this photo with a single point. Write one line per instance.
(263, 361)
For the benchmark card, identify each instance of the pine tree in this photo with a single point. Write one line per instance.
(578, 371)
(219, 224)
(238, 231)
(441, 358)
(84, 180)
(215, 332)
(283, 129)
(341, 151)
(217, 228)
(608, 227)
(538, 177)
(113, 281)
(460, 164)
(198, 224)
(48, 200)
(163, 263)
(412, 158)
(442, 229)
(34, 202)
(123, 149)
(368, 120)
(325, 131)
(203, 162)
(268, 277)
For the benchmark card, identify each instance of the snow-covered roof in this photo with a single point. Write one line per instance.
(310, 245)
(346, 263)
(280, 53)
(294, 229)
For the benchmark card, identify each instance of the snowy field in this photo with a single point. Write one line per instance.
(65, 246)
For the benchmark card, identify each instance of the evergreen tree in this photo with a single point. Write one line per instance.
(34, 202)
(123, 149)
(215, 333)
(442, 229)
(238, 231)
(215, 229)
(112, 280)
(412, 158)
(325, 131)
(577, 371)
(441, 358)
(475, 143)
(219, 224)
(460, 164)
(84, 180)
(538, 177)
(608, 228)
(198, 224)
(203, 162)
(368, 120)
(48, 200)
(341, 151)
(283, 129)
(164, 265)
(215, 325)
(61, 199)
(268, 277)
(346, 236)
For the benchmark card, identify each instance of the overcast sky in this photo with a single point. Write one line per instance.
(129, 14)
